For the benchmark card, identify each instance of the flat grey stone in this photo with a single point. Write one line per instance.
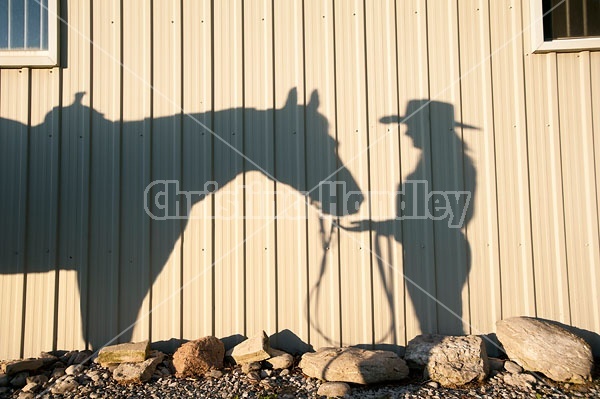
(254, 349)
(135, 373)
(545, 347)
(449, 360)
(354, 365)
(123, 353)
(334, 389)
(16, 366)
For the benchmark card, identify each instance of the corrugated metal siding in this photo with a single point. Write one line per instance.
(299, 88)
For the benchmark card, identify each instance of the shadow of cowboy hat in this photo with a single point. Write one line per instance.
(436, 109)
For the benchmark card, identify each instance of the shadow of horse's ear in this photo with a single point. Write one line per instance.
(314, 100)
(292, 99)
(78, 97)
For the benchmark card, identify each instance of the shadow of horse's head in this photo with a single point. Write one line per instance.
(331, 186)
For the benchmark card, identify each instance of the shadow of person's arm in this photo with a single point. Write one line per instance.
(359, 225)
(382, 228)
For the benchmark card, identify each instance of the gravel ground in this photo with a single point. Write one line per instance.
(96, 382)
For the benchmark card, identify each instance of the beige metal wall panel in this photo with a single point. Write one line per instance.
(445, 92)
(105, 172)
(321, 162)
(518, 298)
(42, 212)
(197, 169)
(545, 176)
(134, 292)
(290, 172)
(166, 235)
(353, 140)
(415, 163)
(448, 166)
(481, 225)
(259, 167)
(74, 177)
(595, 90)
(580, 196)
(228, 167)
(14, 120)
(386, 236)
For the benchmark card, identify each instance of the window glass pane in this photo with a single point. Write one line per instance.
(16, 36)
(44, 23)
(32, 36)
(570, 19)
(575, 18)
(3, 24)
(592, 14)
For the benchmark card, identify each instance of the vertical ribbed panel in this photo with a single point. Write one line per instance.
(43, 191)
(578, 166)
(510, 128)
(448, 166)
(14, 90)
(136, 139)
(323, 237)
(105, 173)
(440, 92)
(166, 162)
(230, 285)
(197, 168)
(353, 139)
(73, 213)
(388, 280)
(545, 171)
(290, 170)
(415, 164)
(258, 148)
(479, 168)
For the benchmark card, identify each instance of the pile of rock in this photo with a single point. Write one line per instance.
(537, 350)
(452, 361)
(54, 372)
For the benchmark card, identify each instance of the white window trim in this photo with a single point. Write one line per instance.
(539, 45)
(39, 58)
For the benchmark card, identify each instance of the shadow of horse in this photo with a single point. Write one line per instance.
(49, 225)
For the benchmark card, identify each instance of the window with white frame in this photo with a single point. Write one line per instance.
(28, 33)
(565, 25)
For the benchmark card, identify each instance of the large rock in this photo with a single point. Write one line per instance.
(196, 358)
(123, 353)
(449, 360)
(135, 373)
(254, 349)
(334, 389)
(279, 360)
(354, 365)
(16, 366)
(538, 345)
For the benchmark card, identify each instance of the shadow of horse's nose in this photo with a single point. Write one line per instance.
(354, 202)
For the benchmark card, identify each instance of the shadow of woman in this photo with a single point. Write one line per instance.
(433, 208)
